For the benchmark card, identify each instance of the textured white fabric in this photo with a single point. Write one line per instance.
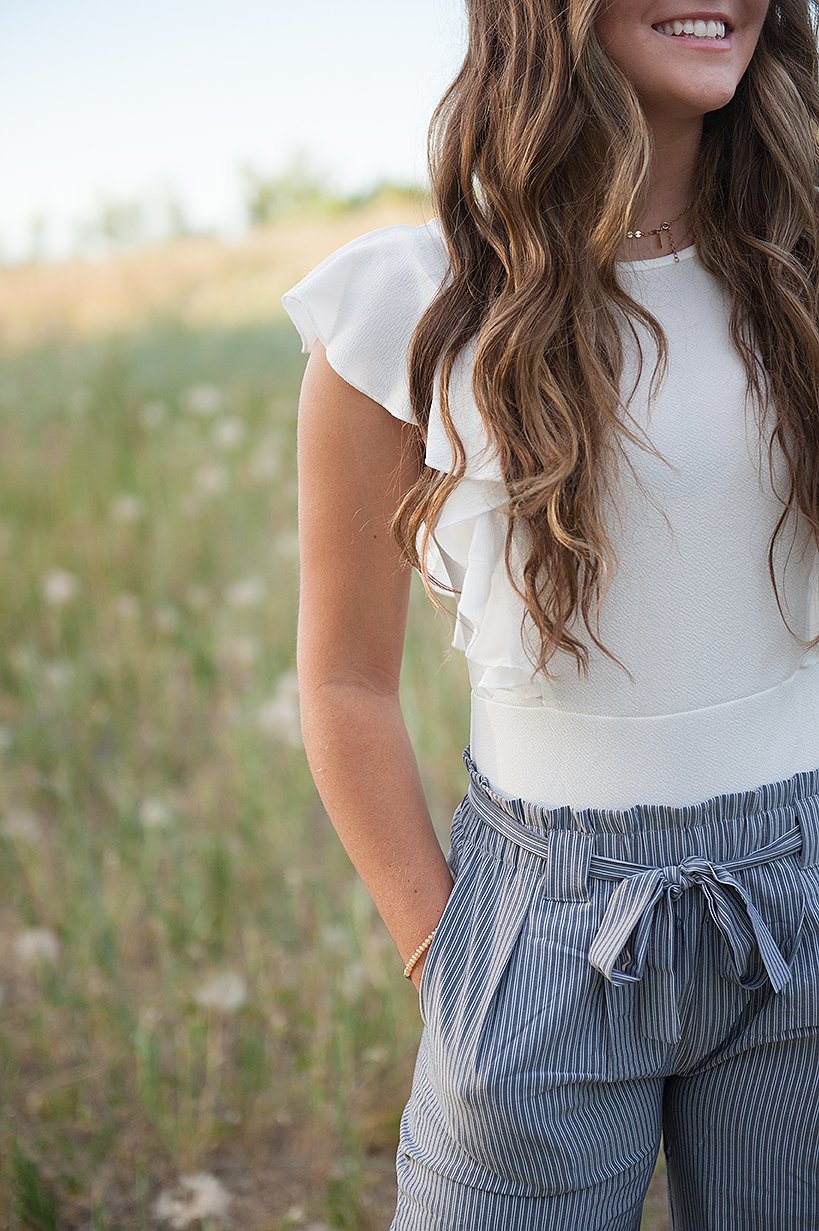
(690, 611)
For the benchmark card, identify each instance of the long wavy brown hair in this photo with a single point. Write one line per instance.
(537, 152)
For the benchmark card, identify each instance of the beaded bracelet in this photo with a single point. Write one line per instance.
(422, 948)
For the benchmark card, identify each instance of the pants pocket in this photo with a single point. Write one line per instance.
(509, 1093)
(797, 1004)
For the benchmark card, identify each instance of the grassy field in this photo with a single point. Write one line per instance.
(203, 1019)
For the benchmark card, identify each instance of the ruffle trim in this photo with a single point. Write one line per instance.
(363, 302)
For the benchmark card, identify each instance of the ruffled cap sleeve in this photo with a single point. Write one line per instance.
(363, 302)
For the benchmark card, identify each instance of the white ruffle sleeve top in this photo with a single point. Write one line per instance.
(723, 695)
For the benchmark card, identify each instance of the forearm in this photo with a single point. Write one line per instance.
(365, 771)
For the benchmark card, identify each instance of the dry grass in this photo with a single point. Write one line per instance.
(193, 982)
(198, 282)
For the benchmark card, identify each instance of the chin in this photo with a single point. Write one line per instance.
(691, 106)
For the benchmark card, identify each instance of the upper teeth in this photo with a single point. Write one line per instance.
(699, 28)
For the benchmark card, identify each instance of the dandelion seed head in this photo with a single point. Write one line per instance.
(190, 505)
(249, 592)
(279, 716)
(203, 399)
(57, 675)
(154, 813)
(354, 981)
(239, 652)
(228, 432)
(22, 823)
(265, 464)
(287, 544)
(212, 479)
(166, 619)
(277, 1021)
(35, 945)
(59, 586)
(127, 507)
(203, 1196)
(149, 1016)
(153, 413)
(126, 605)
(226, 991)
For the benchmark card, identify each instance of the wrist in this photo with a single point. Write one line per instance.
(420, 952)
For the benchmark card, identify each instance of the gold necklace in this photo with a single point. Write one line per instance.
(664, 226)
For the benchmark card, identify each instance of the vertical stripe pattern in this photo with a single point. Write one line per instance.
(597, 975)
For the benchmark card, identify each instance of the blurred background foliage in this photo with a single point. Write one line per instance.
(203, 1018)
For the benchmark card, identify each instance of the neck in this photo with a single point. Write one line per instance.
(670, 190)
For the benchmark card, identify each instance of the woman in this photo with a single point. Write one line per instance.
(623, 940)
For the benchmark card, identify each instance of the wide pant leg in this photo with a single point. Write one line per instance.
(741, 1141)
(599, 977)
(429, 1201)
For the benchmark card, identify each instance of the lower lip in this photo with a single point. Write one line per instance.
(702, 44)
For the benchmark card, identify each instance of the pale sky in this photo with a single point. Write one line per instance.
(110, 100)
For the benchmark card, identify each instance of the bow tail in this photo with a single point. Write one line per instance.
(746, 932)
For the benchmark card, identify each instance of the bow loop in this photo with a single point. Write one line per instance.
(631, 917)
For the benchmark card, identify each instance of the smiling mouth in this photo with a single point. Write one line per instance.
(707, 34)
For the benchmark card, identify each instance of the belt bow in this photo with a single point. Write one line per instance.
(643, 900)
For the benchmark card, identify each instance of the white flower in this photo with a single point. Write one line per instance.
(265, 464)
(126, 605)
(59, 587)
(57, 674)
(166, 619)
(149, 1017)
(153, 413)
(204, 1197)
(212, 479)
(154, 813)
(127, 507)
(36, 944)
(249, 592)
(190, 505)
(228, 432)
(279, 716)
(203, 399)
(239, 652)
(226, 992)
(287, 544)
(22, 823)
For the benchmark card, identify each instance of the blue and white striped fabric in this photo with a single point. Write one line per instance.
(604, 979)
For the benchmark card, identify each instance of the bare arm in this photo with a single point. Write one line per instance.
(354, 462)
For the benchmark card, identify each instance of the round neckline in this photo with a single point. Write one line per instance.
(666, 259)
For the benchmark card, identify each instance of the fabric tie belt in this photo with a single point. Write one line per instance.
(620, 945)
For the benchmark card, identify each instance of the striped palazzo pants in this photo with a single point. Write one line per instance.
(602, 981)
